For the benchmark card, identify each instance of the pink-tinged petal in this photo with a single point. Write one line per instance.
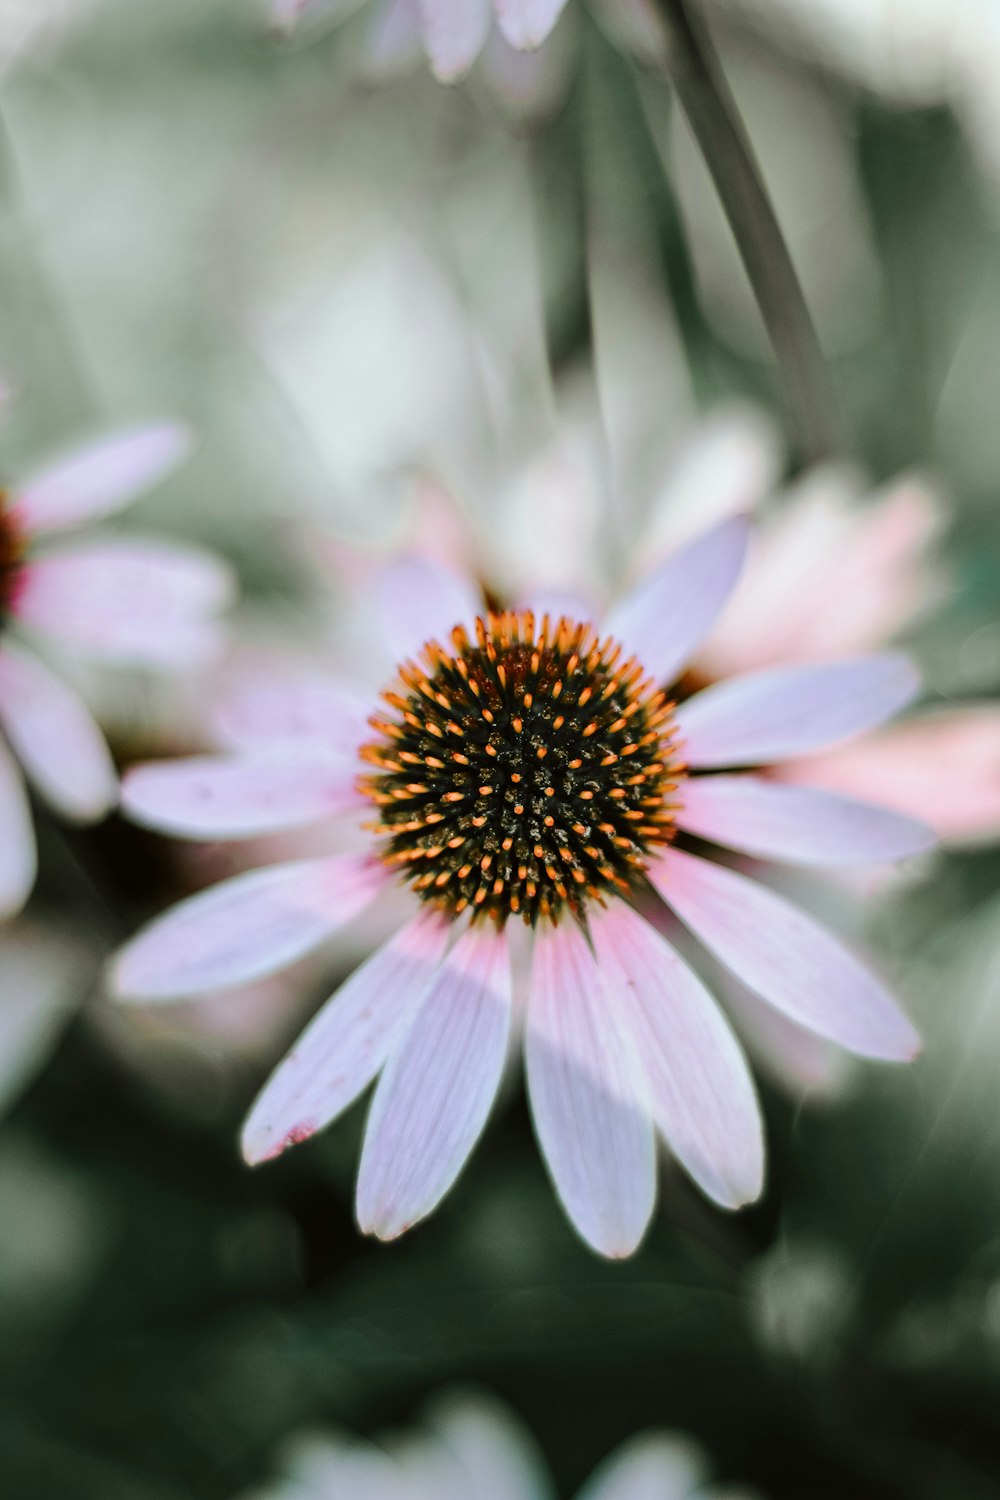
(652, 1466)
(302, 709)
(55, 738)
(700, 1087)
(43, 978)
(666, 617)
(206, 797)
(532, 85)
(437, 1089)
(394, 42)
(785, 957)
(244, 928)
(728, 468)
(526, 23)
(769, 716)
(417, 600)
(454, 32)
(942, 765)
(147, 602)
(347, 1043)
(18, 858)
(101, 478)
(831, 575)
(797, 1060)
(799, 824)
(587, 1095)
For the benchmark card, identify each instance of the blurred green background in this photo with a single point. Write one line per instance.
(336, 281)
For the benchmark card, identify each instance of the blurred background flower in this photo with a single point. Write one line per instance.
(472, 1448)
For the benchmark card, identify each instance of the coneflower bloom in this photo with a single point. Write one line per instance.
(472, 1448)
(105, 597)
(530, 767)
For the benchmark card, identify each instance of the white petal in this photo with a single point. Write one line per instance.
(652, 1466)
(418, 601)
(347, 1042)
(43, 978)
(454, 33)
(103, 477)
(436, 1092)
(775, 715)
(786, 957)
(700, 1086)
(498, 1458)
(244, 928)
(796, 1059)
(148, 602)
(55, 738)
(526, 23)
(394, 41)
(208, 797)
(18, 858)
(585, 1086)
(666, 617)
(727, 468)
(299, 709)
(797, 824)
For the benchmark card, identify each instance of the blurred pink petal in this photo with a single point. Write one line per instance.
(300, 709)
(831, 576)
(700, 1086)
(785, 957)
(347, 1042)
(18, 858)
(530, 84)
(148, 602)
(395, 38)
(101, 478)
(526, 23)
(942, 765)
(665, 618)
(435, 1095)
(728, 468)
(587, 1094)
(417, 600)
(768, 716)
(244, 928)
(207, 797)
(797, 824)
(454, 33)
(652, 1466)
(55, 738)
(795, 1058)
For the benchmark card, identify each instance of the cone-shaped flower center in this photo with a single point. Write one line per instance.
(11, 556)
(523, 772)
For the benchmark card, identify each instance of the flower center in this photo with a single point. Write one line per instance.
(11, 556)
(523, 772)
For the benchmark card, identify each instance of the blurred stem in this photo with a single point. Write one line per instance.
(714, 118)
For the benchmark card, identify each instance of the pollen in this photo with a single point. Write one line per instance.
(559, 780)
(11, 556)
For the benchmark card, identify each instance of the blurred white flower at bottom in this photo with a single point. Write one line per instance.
(472, 1448)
